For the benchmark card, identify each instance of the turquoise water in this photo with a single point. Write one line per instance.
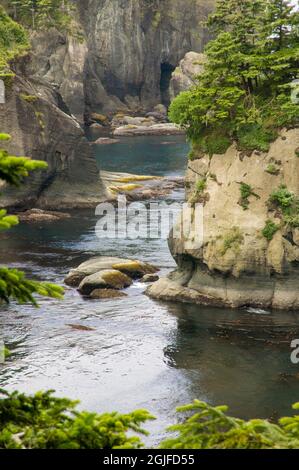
(161, 156)
(140, 353)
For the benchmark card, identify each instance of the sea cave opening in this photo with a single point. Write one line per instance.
(166, 72)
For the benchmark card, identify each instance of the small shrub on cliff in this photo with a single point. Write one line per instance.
(288, 203)
(270, 229)
(233, 239)
(272, 169)
(282, 197)
(246, 191)
(201, 185)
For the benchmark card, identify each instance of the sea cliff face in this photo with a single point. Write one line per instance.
(39, 128)
(126, 56)
(237, 265)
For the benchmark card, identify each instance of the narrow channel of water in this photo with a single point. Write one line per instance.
(140, 353)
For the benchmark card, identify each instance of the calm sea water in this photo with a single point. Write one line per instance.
(141, 353)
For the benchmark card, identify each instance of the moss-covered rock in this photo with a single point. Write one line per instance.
(105, 279)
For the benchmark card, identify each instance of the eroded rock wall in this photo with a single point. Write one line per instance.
(128, 52)
(236, 264)
(41, 130)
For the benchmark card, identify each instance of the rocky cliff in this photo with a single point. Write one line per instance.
(33, 115)
(250, 250)
(123, 61)
(128, 52)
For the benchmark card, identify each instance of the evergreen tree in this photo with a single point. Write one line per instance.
(13, 42)
(244, 93)
(38, 14)
(13, 283)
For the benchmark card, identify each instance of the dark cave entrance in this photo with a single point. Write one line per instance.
(166, 72)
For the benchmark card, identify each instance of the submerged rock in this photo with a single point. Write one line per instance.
(38, 215)
(107, 294)
(106, 141)
(80, 327)
(150, 278)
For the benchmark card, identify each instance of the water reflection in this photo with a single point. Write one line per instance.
(239, 358)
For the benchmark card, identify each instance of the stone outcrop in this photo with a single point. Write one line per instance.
(185, 74)
(236, 265)
(39, 128)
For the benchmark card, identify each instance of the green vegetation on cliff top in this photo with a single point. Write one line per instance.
(13, 42)
(19, 16)
(246, 92)
(41, 14)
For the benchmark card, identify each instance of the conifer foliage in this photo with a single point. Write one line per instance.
(245, 91)
(38, 14)
(13, 283)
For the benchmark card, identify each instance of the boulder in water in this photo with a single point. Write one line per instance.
(105, 279)
(108, 275)
(150, 278)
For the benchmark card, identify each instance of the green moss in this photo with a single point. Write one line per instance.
(39, 116)
(28, 98)
(270, 229)
(233, 239)
(156, 19)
